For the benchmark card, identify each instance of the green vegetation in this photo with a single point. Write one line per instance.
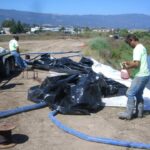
(113, 51)
(15, 27)
(101, 47)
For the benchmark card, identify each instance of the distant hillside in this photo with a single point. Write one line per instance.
(131, 21)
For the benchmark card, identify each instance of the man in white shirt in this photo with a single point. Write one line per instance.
(14, 49)
(141, 78)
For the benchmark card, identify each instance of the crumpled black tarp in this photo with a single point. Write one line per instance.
(64, 64)
(75, 93)
(78, 92)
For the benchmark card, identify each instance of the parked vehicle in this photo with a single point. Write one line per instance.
(7, 63)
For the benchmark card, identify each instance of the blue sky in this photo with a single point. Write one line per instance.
(80, 7)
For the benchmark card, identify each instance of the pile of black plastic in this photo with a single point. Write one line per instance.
(78, 92)
(64, 64)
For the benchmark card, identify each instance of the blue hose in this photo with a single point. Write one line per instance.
(17, 110)
(83, 136)
(96, 139)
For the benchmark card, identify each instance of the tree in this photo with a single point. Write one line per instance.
(15, 27)
(62, 29)
(87, 29)
(77, 30)
(8, 23)
(20, 28)
(26, 27)
(123, 32)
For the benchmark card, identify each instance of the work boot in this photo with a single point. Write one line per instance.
(128, 114)
(140, 110)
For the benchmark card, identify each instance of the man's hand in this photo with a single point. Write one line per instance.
(18, 49)
(130, 64)
(124, 65)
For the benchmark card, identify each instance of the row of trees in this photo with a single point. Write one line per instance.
(15, 26)
(18, 27)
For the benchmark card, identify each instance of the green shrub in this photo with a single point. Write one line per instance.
(99, 43)
(101, 46)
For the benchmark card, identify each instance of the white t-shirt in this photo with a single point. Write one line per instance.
(140, 54)
(13, 44)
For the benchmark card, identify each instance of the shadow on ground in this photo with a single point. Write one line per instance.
(19, 138)
(4, 81)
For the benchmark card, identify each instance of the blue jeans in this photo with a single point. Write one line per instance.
(19, 61)
(136, 89)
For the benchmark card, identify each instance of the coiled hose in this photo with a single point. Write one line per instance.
(78, 134)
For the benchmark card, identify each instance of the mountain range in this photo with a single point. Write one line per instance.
(129, 21)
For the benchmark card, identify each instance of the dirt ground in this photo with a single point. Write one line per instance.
(35, 131)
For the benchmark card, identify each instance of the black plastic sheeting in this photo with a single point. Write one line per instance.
(79, 91)
(64, 64)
